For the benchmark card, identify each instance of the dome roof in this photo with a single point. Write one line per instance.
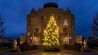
(50, 5)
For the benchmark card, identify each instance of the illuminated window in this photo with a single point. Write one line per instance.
(36, 41)
(65, 23)
(45, 17)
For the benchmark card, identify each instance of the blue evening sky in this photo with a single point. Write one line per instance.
(14, 14)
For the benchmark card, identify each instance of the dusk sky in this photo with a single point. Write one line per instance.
(14, 13)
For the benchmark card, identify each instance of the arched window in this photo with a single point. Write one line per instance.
(65, 23)
(65, 31)
(36, 32)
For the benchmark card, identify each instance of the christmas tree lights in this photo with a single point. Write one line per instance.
(51, 35)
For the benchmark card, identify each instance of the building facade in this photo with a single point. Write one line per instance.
(37, 21)
(79, 39)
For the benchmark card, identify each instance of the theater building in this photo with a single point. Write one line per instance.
(37, 21)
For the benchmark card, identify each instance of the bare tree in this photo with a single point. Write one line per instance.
(93, 39)
(2, 33)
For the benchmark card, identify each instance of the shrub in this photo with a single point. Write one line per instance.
(52, 49)
(5, 45)
(93, 43)
(28, 47)
(75, 47)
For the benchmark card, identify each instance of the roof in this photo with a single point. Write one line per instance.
(50, 5)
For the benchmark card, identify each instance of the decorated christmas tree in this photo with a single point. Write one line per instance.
(51, 35)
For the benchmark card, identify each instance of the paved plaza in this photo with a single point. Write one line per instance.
(65, 52)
